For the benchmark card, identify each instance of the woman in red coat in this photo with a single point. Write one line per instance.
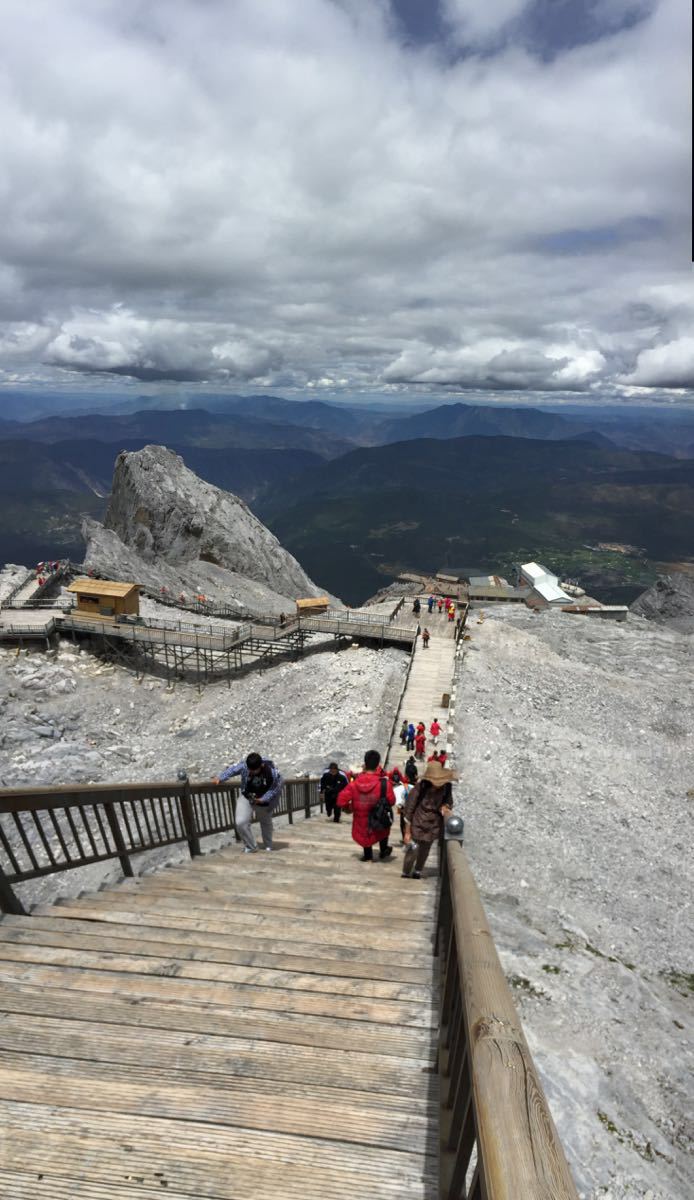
(360, 797)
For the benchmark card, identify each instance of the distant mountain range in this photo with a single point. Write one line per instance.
(490, 501)
(367, 491)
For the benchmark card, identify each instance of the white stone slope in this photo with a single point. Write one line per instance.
(576, 752)
(166, 526)
(10, 576)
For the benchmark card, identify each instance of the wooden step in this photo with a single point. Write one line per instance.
(200, 1018)
(17, 1185)
(163, 943)
(88, 976)
(226, 934)
(225, 1056)
(231, 1102)
(259, 908)
(215, 1162)
(267, 921)
(138, 962)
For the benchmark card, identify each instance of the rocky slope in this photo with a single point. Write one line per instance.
(576, 754)
(670, 601)
(166, 526)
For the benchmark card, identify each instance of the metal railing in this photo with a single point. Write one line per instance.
(498, 1140)
(47, 830)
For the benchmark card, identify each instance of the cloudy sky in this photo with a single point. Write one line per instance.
(333, 197)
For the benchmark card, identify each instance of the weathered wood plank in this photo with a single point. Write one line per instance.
(164, 942)
(226, 1056)
(222, 1164)
(173, 989)
(395, 949)
(275, 1107)
(265, 921)
(331, 987)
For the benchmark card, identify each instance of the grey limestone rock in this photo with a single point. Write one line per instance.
(670, 600)
(167, 527)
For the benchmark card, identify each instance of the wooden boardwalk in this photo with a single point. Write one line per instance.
(431, 677)
(244, 1026)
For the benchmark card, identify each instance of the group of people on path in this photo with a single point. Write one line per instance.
(445, 606)
(370, 796)
(413, 737)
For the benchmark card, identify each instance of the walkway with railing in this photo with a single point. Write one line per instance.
(296, 1024)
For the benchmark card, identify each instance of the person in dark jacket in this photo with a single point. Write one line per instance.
(360, 797)
(427, 806)
(261, 789)
(411, 771)
(331, 784)
(409, 745)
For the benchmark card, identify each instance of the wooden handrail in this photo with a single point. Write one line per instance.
(44, 831)
(492, 1097)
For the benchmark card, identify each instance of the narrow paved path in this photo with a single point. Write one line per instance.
(431, 677)
(243, 1027)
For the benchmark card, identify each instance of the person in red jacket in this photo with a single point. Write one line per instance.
(360, 797)
(419, 745)
(434, 731)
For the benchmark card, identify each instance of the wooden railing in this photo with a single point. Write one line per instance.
(498, 1140)
(47, 830)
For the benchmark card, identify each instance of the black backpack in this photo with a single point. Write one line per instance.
(268, 779)
(381, 815)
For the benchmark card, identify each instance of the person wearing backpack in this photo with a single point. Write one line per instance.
(428, 805)
(411, 772)
(370, 799)
(261, 787)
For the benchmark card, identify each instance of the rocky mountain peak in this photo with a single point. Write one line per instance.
(670, 601)
(165, 525)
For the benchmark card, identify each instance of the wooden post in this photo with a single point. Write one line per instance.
(9, 903)
(307, 798)
(188, 814)
(117, 835)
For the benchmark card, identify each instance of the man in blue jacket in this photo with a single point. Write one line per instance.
(261, 786)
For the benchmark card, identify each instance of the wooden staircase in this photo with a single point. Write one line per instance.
(243, 1026)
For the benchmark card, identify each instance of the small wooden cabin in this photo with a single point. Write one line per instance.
(105, 599)
(314, 606)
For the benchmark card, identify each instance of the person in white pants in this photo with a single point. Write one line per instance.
(261, 787)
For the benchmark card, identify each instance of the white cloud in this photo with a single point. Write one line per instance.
(283, 193)
(667, 366)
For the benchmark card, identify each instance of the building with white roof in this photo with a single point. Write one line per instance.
(546, 591)
(532, 572)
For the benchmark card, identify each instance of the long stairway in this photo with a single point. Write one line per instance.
(430, 678)
(244, 1026)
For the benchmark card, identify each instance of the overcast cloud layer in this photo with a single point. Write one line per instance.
(334, 195)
